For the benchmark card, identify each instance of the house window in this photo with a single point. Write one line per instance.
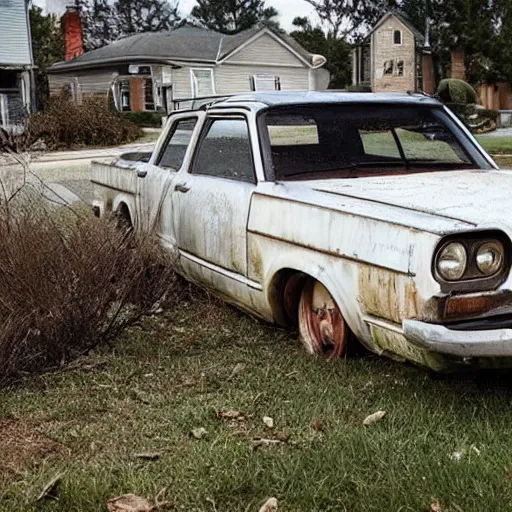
(399, 67)
(202, 82)
(388, 67)
(265, 83)
(149, 98)
(397, 37)
(124, 88)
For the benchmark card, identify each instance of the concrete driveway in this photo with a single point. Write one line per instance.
(64, 176)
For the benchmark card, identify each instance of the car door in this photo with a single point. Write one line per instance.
(212, 202)
(156, 179)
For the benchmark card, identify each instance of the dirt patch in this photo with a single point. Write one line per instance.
(22, 446)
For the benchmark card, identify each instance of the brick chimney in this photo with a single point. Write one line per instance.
(73, 40)
(458, 65)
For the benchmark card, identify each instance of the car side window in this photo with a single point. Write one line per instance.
(177, 144)
(225, 151)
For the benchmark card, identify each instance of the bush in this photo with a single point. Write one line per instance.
(475, 117)
(145, 119)
(359, 88)
(453, 90)
(66, 124)
(69, 283)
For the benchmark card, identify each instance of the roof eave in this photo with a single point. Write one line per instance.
(61, 67)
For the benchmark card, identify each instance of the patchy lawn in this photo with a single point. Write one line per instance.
(503, 162)
(121, 422)
(496, 145)
(146, 137)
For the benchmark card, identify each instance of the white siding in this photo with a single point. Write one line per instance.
(234, 78)
(266, 49)
(15, 46)
(181, 87)
(90, 82)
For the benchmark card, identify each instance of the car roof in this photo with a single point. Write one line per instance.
(258, 100)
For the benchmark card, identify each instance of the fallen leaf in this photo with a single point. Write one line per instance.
(268, 421)
(50, 488)
(475, 449)
(133, 503)
(269, 506)
(317, 425)
(199, 432)
(148, 455)
(456, 456)
(263, 441)
(230, 415)
(435, 506)
(373, 418)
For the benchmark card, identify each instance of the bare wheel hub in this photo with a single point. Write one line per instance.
(323, 330)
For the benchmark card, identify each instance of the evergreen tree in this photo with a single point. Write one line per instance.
(470, 25)
(47, 48)
(233, 16)
(334, 49)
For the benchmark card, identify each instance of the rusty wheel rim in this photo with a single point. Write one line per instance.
(323, 329)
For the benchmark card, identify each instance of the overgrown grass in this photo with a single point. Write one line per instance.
(496, 145)
(443, 439)
(503, 162)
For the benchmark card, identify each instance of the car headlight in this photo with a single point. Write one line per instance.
(474, 261)
(490, 257)
(452, 261)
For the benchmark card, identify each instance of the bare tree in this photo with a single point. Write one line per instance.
(348, 19)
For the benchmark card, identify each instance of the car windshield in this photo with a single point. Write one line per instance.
(355, 140)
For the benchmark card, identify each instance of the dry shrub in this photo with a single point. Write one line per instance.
(69, 283)
(64, 123)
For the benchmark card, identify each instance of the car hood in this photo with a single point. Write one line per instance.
(478, 197)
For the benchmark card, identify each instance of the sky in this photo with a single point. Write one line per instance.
(288, 9)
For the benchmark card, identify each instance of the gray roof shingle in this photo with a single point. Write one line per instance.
(187, 43)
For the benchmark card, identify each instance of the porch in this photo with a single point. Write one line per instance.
(16, 96)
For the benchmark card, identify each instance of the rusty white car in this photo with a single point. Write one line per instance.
(353, 216)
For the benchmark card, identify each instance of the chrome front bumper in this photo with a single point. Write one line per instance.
(440, 339)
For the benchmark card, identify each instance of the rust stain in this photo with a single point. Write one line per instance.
(388, 295)
(413, 306)
(255, 263)
(396, 346)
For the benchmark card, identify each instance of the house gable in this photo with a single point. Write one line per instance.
(393, 64)
(265, 49)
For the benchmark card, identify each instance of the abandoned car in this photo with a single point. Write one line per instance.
(375, 217)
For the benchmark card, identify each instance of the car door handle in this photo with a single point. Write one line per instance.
(182, 187)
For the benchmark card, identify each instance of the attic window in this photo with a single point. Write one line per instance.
(265, 83)
(397, 37)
